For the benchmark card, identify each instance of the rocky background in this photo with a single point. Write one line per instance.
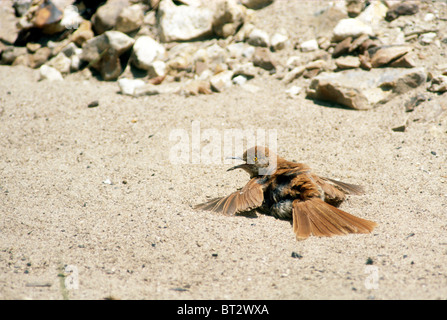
(90, 92)
(363, 52)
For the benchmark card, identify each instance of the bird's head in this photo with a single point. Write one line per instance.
(258, 161)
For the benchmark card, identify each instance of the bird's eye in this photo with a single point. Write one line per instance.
(255, 159)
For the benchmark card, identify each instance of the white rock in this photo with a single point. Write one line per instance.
(373, 14)
(429, 17)
(309, 45)
(182, 23)
(427, 38)
(350, 28)
(222, 80)
(71, 18)
(128, 86)
(157, 69)
(60, 62)
(49, 73)
(258, 38)
(239, 80)
(279, 41)
(145, 51)
(293, 91)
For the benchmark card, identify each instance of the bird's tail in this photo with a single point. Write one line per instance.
(316, 217)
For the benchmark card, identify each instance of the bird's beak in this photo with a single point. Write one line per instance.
(240, 166)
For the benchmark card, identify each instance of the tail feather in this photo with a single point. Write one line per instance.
(314, 216)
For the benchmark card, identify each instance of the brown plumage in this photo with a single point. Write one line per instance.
(291, 191)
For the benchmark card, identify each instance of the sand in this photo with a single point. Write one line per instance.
(95, 191)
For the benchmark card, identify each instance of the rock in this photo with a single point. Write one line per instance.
(95, 47)
(427, 38)
(240, 50)
(71, 19)
(348, 62)
(239, 80)
(406, 61)
(342, 47)
(401, 9)
(258, 38)
(183, 23)
(8, 23)
(106, 16)
(39, 57)
(256, 4)
(221, 81)
(309, 45)
(130, 19)
(294, 74)
(157, 69)
(145, 51)
(195, 87)
(10, 53)
(374, 13)
(354, 7)
(21, 7)
(361, 90)
(350, 28)
(247, 70)
(103, 52)
(33, 47)
(293, 91)
(386, 54)
(228, 17)
(83, 33)
(61, 63)
(414, 102)
(438, 84)
(263, 59)
(279, 41)
(49, 73)
(129, 86)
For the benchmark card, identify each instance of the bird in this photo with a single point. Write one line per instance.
(291, 191)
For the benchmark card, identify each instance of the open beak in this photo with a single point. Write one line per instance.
(240, 166)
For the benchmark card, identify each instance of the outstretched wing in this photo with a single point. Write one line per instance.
(316, 217)
(248, 198)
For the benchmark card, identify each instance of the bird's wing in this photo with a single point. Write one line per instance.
(316, 217)
(250, 197)
(345, 187)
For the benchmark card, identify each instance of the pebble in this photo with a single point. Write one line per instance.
(49, 73)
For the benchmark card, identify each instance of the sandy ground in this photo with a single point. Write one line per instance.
(138, 236)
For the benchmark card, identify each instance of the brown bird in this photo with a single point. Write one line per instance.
(289, 190)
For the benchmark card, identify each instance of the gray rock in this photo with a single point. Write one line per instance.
(361, 90)
(103, 52)
(130, 19)
(309, 45)
(183, 23)
(11, 53)
(279, 41)
(107, 15)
